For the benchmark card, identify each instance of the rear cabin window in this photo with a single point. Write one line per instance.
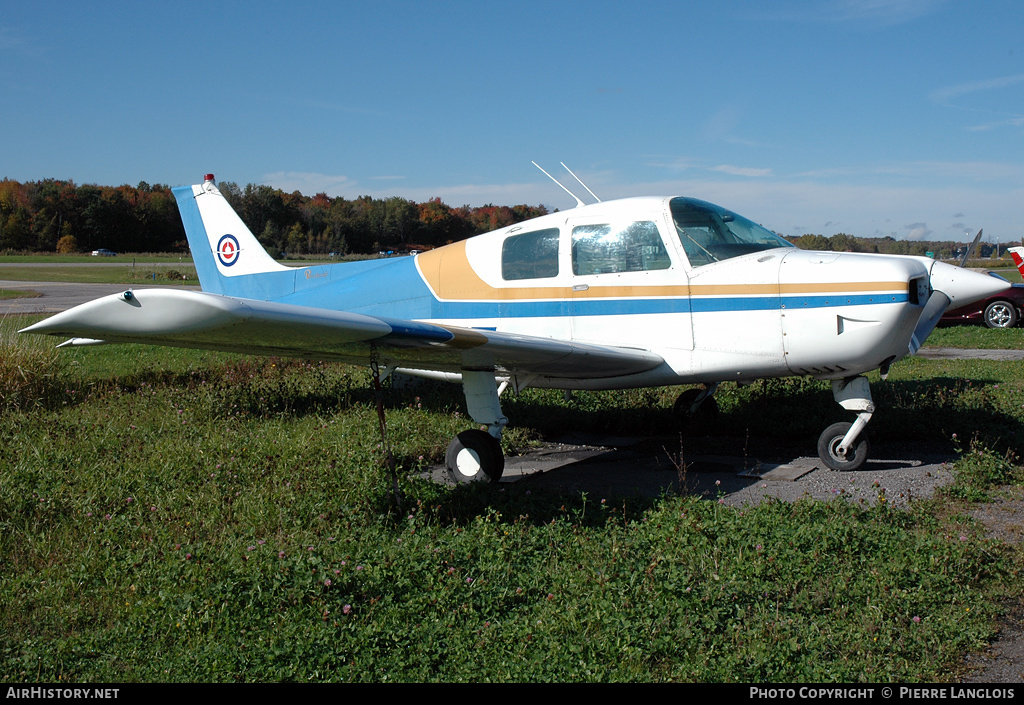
(530, 255)
(606, 249)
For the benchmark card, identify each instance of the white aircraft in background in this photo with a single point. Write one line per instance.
(1017, 253)
(637, 292)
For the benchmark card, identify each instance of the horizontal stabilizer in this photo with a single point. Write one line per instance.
(74, 342)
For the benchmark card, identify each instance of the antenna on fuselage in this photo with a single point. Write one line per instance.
(578, 201)
(581, 182)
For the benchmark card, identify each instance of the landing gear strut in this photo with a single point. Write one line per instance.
(475, 455)
(843, 446)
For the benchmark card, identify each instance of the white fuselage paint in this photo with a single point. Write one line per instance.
(777, 312)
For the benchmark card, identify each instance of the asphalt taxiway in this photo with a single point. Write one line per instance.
(54, 297)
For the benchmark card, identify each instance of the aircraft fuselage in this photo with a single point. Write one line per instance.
(774, 311)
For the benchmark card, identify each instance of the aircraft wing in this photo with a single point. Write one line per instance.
(211, 321)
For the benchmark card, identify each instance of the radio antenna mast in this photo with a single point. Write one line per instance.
(578, 201)
(581, 182)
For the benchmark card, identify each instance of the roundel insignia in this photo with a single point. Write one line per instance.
(227, 250)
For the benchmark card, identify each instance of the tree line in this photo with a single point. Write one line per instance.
(53, 215)
(946, 250)
(59, 216)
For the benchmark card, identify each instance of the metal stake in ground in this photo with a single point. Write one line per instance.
(379, 394)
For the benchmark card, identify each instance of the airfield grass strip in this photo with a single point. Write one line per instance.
(973, 336)
(18, 294)
(173, 515)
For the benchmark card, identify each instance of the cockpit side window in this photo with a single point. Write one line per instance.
(530, 255)
(709, 233)
(605, 249)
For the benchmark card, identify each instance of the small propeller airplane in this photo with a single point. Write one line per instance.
(630, 293)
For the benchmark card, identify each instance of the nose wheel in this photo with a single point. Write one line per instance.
(843, 446)
(831, 453)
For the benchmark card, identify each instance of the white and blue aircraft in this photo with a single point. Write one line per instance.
(630, 293)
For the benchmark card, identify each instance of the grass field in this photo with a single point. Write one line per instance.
(103, 273)
(17, 294)
(973, 336)
(179, 516)
(124, 269)
(123, 259)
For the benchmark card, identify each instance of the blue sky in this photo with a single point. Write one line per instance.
(870, 117)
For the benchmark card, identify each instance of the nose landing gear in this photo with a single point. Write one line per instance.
(843, 446)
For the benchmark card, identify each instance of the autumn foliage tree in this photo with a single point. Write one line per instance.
(52, 215)
(44, 215)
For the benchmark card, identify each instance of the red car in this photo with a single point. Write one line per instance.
(1002, 310)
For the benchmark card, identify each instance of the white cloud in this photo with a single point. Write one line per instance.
(945, 95)
(11, 40)
(878, 13)
(987, 127)
(949, 96)
(960, 171)
(741, 171)
(678, 164)
(886, 12)
(917, 231)
(310, 183)
(482, 194)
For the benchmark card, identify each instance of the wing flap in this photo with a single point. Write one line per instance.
(214, 322)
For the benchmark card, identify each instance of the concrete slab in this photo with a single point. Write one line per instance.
(647, 467)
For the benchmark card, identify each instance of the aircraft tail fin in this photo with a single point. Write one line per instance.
(223, 247)
(1018, 258)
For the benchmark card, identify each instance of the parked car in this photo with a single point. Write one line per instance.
(1002, 310)
(103, 253)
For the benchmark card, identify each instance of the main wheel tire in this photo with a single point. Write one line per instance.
(474, 456)
(1000, 314)
(707, 411)
(829, 441)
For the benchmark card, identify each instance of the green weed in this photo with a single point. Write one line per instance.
(33, 374)
(980, 470)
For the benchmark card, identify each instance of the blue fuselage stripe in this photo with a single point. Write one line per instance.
(638, 306)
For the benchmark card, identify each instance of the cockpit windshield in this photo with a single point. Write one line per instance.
(710, 233)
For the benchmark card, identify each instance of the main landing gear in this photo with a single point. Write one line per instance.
(843, 446)
(475, 455)
(696, 404)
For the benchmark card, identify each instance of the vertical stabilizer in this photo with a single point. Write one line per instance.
(222, 245)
